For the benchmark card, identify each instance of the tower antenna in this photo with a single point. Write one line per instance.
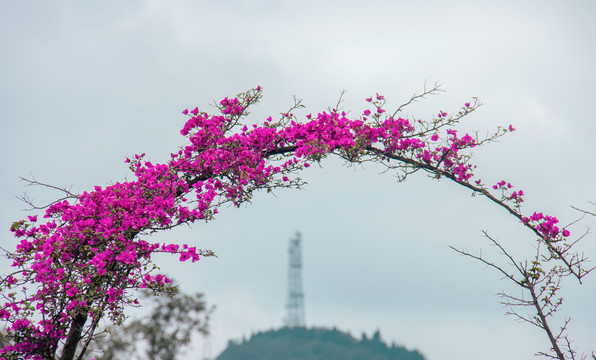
(295, 305)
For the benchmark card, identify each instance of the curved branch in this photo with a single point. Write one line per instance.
(579, 274)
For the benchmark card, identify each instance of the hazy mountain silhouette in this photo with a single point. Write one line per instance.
(300, 343)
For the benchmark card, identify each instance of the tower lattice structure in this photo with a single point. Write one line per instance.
(295, 305)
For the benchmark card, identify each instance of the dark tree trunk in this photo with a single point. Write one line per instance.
(74, 336)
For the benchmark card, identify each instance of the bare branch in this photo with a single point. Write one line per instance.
(435, 89)
(32, 182)
(584, 211)
(487, 263)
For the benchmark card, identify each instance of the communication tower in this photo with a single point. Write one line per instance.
(295, 305)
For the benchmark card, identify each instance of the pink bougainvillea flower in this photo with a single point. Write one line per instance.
(96, 239)
(72, 291)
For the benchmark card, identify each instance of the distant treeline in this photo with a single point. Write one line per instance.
(300, 343)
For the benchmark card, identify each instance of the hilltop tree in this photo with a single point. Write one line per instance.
(91, 252)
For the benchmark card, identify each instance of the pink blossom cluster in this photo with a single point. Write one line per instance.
(507, 194)
(546, 225)
(93, 251)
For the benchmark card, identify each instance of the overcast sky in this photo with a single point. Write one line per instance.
(83, 85)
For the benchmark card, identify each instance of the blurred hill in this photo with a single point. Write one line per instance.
(299, 343)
